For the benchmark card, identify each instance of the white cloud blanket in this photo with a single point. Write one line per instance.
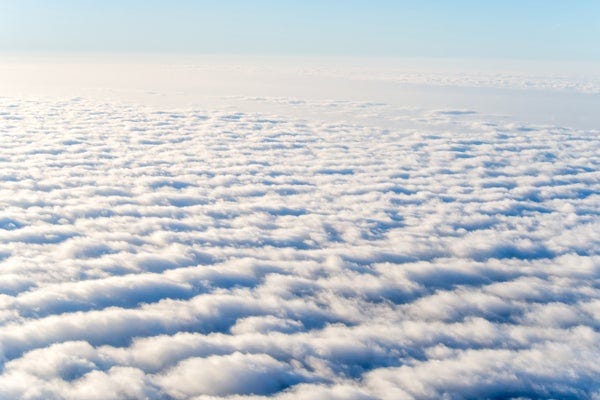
(193, 255)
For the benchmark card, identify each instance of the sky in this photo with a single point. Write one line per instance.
(530, 29)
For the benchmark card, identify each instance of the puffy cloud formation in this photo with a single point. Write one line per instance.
(151, 254)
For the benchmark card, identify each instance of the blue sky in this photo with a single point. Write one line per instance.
(527, 29)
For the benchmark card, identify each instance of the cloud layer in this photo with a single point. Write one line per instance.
(182, 254)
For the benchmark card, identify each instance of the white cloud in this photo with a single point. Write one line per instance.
(183, 254)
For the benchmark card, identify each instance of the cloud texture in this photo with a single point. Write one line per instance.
(182, 254)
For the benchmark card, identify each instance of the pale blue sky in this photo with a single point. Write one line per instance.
(527, 29)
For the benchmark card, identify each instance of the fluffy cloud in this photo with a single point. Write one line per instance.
(199, 255)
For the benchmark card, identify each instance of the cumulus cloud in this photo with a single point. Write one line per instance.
(229, 374)
(184, 254)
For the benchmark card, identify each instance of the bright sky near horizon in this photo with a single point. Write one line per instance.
(529, 29)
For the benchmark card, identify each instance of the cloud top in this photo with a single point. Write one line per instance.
(183, 254)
